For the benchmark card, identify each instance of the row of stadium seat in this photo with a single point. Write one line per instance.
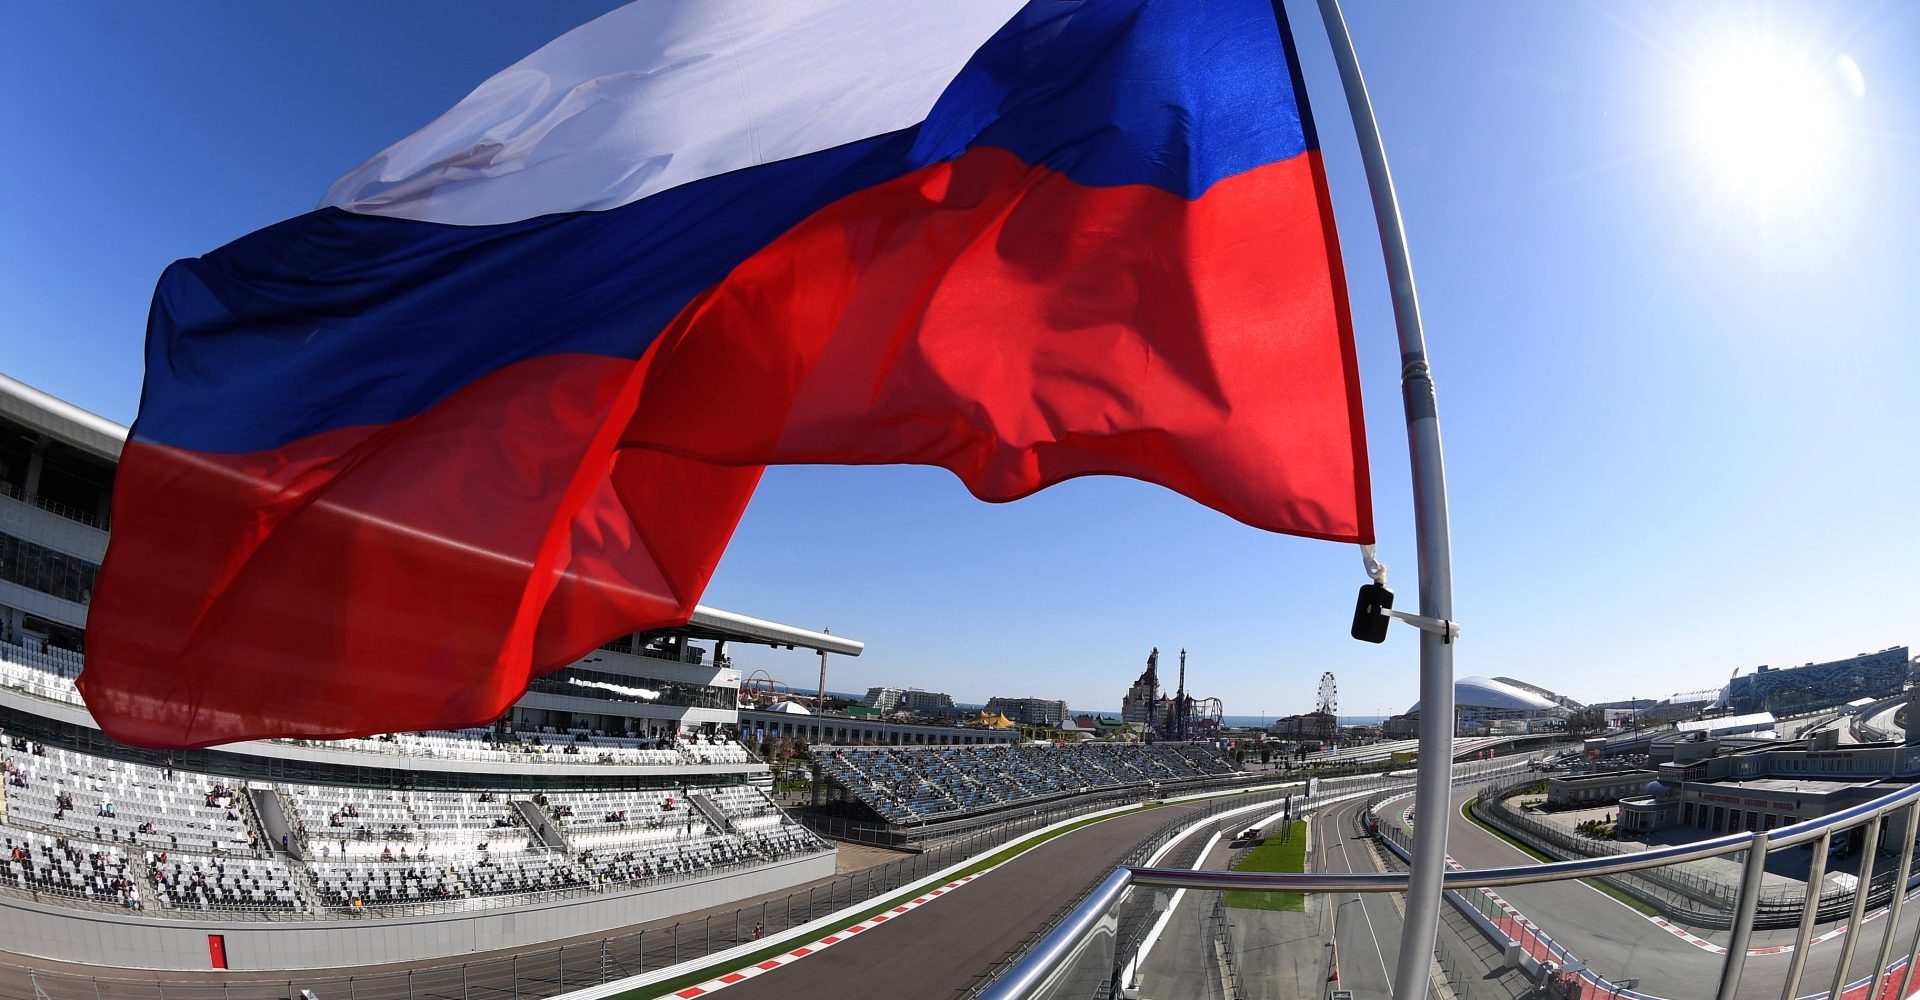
(918, 784)
(113, 832)
(49, 671)
(94, 873)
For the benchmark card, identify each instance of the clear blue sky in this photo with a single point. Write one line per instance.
(1667, 255)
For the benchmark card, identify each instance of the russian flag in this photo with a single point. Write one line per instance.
(505, 395)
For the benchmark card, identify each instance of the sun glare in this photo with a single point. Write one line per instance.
(1765, 117)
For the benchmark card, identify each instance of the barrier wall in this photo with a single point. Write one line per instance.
(129, 941)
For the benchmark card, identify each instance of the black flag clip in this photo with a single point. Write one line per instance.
(1369, 621)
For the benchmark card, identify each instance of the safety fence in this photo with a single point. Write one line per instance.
(1053, 967)
(1680, 893)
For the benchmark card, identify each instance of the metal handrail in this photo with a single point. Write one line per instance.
(1557, 871)
(1056, 947)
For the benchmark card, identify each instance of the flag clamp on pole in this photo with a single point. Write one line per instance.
(1446, 628)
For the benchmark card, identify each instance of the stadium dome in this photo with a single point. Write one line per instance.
(1471, 693)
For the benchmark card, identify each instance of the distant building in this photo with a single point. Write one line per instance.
(1819, 685)
(891, 699)
(1143, 705)
(1032, 711)
(1714, 787)
(925, 701)
(1310, 725)
(1481, 702)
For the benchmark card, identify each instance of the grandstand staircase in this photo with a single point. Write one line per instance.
(542, 826)
(270, 820)
(716, 817)
(142, 875)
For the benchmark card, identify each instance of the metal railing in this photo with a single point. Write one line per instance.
(55, 507)
(1899, 810)
(1681, 894)
(1065, 939)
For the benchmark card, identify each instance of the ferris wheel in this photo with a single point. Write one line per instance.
(1328, 700)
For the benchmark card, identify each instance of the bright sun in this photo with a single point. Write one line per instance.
(1765, 117)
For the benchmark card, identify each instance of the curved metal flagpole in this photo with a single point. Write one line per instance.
(1432, 784)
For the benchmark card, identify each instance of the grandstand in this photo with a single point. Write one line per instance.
(906, 786)
(615, 790)
(1820, 685)
(174, 839)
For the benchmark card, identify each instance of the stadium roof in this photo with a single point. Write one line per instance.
(713, 623)
(90, 432)
(61, 420)
(1485, 692)
(1728, 724)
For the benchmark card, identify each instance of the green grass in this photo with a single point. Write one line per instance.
(1274, 856)
(1638, 904)
(1466, 809)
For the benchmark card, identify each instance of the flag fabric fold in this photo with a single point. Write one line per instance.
(505, 395)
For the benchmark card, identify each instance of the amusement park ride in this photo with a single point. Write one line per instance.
(1183, 717)
(760, 690)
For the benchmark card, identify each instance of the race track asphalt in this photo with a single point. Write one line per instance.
(941, 950)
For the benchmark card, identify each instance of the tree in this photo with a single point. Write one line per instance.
(1587, 720)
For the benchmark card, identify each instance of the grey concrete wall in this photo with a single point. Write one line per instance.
(119, 941)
